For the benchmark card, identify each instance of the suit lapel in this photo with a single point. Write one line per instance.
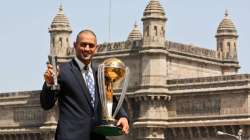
(79, 78)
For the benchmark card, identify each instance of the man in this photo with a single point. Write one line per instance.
(78, 98)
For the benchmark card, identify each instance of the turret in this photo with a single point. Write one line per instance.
(154, 25)
(152, 95)
(60, 31)
(227, 40)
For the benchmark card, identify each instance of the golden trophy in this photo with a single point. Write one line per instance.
(110, 72)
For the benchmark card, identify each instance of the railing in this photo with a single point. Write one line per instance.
(209, 79)
(190, 49)
(115, 46)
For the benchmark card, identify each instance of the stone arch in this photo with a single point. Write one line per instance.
(155, 31)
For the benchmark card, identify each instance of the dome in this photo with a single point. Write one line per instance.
(226, 27)
(135, 34)
(60, 22)
(154, 10)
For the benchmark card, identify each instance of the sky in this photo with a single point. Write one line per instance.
(24, 37)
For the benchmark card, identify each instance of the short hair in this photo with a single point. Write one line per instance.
(86, 31)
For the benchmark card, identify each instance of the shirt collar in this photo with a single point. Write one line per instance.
(82, 65)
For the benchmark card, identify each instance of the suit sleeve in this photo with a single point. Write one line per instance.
(47, 97)
(121, 112)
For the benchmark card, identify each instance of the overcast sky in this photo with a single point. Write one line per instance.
(24, 37)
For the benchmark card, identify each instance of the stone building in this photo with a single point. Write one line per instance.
(176, 91)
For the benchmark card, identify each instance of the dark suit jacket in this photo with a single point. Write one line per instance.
(77, 118)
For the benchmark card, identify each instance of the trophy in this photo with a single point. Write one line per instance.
(53, 62)
(110, 72)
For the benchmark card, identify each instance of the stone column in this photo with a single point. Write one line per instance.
(50, 136)
(27, 136)
(51, 117)
(49, 127)
(151, 122)
(4, 137)
(22, 137)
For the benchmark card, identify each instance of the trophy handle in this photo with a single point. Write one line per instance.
(102, 88)
(124, 89)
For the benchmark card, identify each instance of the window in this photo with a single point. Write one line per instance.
(229, 47)
(155, 30)
(147, 31)
(162, 30)
(221, 46)
(60, 42)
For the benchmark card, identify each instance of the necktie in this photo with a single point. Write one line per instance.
(91, 86)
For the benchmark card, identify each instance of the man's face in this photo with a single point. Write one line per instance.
(85, 47)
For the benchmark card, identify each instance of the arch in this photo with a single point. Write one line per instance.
(162, 31)
(60, 42)
(53, 41)
(155, 31)
(221, 46)
(147, 31)
(229, 46)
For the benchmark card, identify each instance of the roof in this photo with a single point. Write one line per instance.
(60, 22)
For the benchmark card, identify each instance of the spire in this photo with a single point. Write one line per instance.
(61, 10)
(60, 22)
(135, 34)
(60, 31)
(226, 13)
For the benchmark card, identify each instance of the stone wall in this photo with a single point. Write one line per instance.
(183, 68)
(183, 61)
(22, 118)
(20, 109)
(194, 108)
(191, 50)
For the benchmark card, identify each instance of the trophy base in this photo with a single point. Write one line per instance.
(108, 130)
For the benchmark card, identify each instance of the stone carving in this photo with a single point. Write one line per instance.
(210, 79)
(29, 115)
(190, 49)
(126, 45)
(234, 104)
(207, 86)
(153, 62)
(201, 106)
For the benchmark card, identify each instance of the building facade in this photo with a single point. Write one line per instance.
(176, 91)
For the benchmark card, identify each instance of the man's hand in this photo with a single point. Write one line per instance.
(123, 122)
(48, 75)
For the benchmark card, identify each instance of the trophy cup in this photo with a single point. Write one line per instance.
(110, 72)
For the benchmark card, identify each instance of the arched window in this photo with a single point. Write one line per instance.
(221, 46)
(162, 31)
(53, 42)
(147, 31)
(60, 42)
(155, 30)
(229, 47)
